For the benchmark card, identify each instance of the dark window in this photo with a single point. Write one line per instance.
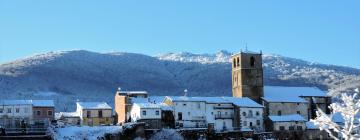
(250, 113)
(157, 112)
(258, 122)
(299, 127)
(282, 128)
(180, 116)
(238, 61)
(279, 113)
(9, 110)
(100, 114)
(1, 110)
(144, 113)
(291, 128)
(88, 114)
(50, 113)
(250, 124)
(184, 104)
(38, 112)
(298, 112)
(17, 110)
(257, 113)
(189, 113)
(244, 113)
(298, 103)
(252, 61)
(234, 63)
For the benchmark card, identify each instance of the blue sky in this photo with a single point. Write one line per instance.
(321, 31)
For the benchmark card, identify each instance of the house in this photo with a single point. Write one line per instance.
(94, 113)
(123, 104)
(43, 110)
(68, 118)
(294, 100)
(149, 113)
(249, 114)
(13, 112)
(188, 112)
(280, 101)
(314, 133)
(219, 113)
(287, 126)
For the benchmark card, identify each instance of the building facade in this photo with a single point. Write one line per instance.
(13, 112)
(94, 113)
(43, 110)
(123, 104)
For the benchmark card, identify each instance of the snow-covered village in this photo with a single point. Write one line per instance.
(179, 70)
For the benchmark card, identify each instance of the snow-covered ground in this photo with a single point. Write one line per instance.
(84, 132)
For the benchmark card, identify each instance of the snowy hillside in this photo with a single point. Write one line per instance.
(70, 75)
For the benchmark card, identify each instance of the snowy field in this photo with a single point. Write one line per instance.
(84, 132)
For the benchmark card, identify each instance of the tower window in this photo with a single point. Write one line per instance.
(252, 61)
(234, 63)
(238, 61)
(279, 113)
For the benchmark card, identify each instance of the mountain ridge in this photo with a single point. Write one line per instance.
(88, 76)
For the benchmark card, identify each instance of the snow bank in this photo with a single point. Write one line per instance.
(84, 132)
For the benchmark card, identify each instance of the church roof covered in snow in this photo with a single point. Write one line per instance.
(290, 94)
(93, 105)
(287, 118)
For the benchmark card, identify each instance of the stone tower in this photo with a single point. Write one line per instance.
(247, 75)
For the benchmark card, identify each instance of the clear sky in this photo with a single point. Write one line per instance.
(321, 31)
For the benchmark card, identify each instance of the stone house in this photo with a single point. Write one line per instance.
(94, 113)
(43, 110)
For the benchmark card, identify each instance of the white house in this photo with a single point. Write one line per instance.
(188, 112)
(12, 112)
(249, 114)
(219, 113)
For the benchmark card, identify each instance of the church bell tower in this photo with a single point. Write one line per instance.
(247, 75)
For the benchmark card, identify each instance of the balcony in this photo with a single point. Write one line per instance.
(224, 116)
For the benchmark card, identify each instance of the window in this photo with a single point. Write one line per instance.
(238, 61)
(245, 123)
(38, 112)
(252, 61)
(9, 110)
(184, 104)
(258, 122)
(1, 110)
(144, 113)
(50, 113)
(157, 112)
(279, 113)
(234, 63)
(250, 113)
(257, 113)
(298, 103)
(281, 128)
(17, 110)
(180, 116)
(100, 113)
(250, 124)
(88, 114)
(298, 112)
(291, 128)
(198, 105)
(299, 127)
(244, 113)
(189, 113)
(212, 113)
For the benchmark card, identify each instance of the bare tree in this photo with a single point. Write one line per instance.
(349, 108)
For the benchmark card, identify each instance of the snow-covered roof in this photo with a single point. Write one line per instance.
(157, 99)
(287, 118)
(290, 94)
(243, 102)
(148, 105)
(43, 103)
(15, 102)
(94, 105)
(311, 125)
(132, 92)
(185, 99)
